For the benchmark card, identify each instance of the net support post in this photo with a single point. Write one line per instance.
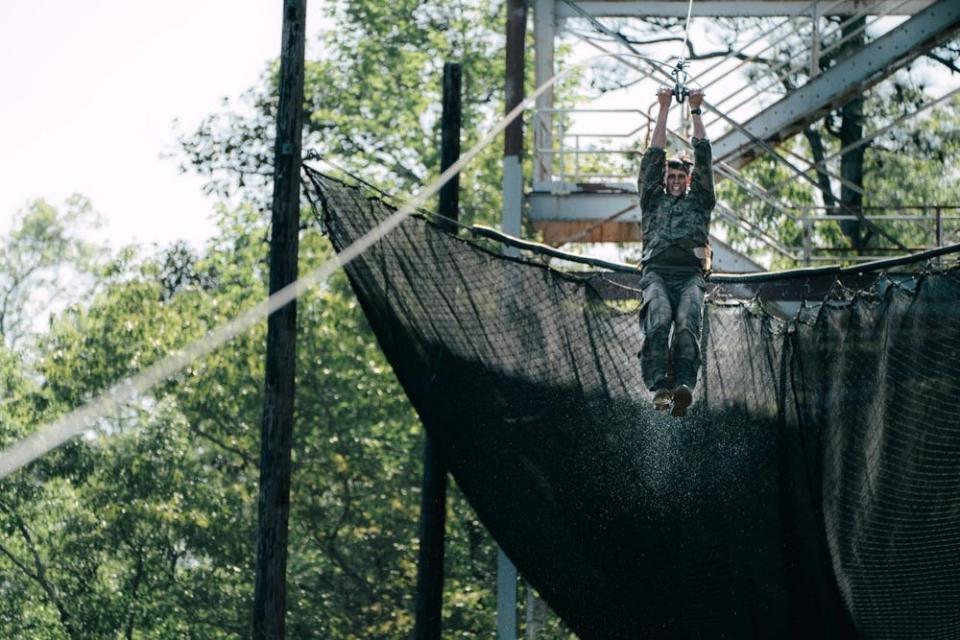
(939, 232)
(428, 599)
(276, 433)
(512, 199)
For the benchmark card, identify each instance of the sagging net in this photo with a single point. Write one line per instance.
(811, 492)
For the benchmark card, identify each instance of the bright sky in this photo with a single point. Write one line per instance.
(91, 89)
(90, 92)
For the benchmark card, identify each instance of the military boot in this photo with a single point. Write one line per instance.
(682, 398)
(662, 399)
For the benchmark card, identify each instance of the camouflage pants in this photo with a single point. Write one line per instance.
(677, 301)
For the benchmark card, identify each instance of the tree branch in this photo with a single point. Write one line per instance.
(823, 178)
(247, 460)
(949, 64)
(329, 542)
(40, 574)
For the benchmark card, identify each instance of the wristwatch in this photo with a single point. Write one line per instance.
(696, 111)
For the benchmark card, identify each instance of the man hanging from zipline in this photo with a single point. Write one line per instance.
(675, 220)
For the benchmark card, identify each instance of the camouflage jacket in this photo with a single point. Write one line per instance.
(675, 223)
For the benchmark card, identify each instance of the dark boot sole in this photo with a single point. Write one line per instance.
(682, 398)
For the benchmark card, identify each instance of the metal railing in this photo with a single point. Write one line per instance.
(939, 224)
(564, 159)
(583, 155)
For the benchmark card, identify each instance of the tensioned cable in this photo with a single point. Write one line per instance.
(790, 68)
(864, 140)
(754, 56)
(686, 33)
(772, 71)
(54, 434)
(801, 174)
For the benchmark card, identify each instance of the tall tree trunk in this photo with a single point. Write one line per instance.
(851, 162)
(823, 178)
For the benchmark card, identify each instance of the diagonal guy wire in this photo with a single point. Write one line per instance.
(72, 424)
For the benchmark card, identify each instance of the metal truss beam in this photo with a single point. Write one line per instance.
(837, 85)
(735, 8)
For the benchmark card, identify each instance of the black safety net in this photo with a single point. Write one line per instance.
(813, 491)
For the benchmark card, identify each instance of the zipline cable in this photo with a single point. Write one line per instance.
(802, 174)
(679, 73)
(686, 33)
(865, 139)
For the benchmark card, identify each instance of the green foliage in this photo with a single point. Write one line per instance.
(911, 166)
(42, 258)
(902, 168)
(372, 103)
(918, 165)
(146, 528)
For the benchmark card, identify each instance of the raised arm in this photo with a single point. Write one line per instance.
(701, 183)
(659, 139)
(696, 102)
(653, 164)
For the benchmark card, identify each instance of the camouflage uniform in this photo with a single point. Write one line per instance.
(672, 282)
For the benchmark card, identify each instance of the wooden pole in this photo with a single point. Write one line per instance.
(450, 138)
(276, 435)
(428, 602)
(513, 87)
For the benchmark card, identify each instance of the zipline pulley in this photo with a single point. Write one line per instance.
(680, 78)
